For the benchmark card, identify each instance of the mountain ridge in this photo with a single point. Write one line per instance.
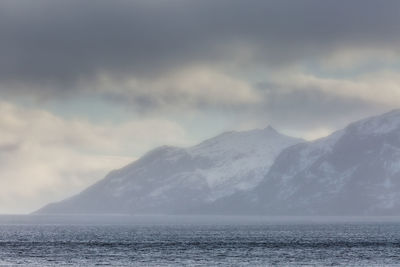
(168, 179)
(354, 171)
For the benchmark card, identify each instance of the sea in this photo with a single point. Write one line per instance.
(118, 240)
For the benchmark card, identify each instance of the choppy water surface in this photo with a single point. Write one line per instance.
(204, 244)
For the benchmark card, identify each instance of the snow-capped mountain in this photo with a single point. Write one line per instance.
(173, 180)
(354, 171)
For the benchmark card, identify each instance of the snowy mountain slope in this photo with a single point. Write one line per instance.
(355, 171)
(171, 179)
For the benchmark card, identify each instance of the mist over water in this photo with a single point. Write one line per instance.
(198, 240)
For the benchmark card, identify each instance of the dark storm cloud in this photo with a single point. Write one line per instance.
(55, 44)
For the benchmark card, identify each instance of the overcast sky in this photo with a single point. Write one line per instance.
(88, 86)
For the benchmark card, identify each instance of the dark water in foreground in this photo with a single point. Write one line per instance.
(174, 242)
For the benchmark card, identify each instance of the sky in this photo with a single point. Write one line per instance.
(89, 86)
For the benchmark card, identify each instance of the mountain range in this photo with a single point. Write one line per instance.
(175, 180)
(354, 171)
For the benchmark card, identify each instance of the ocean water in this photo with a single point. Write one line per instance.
(178, 241)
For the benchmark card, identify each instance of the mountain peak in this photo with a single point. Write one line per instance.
(270, 129)
(251, 138)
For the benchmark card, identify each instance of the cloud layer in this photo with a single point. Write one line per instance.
(44, 157)
(55, 48)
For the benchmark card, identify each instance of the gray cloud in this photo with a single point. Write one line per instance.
(158, 56)
(55, 45)
(44, 157)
